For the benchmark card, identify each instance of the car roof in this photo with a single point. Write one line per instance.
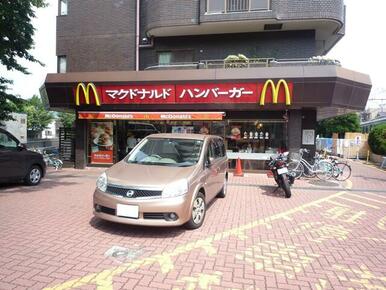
(183, 136)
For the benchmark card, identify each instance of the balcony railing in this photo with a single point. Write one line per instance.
(249, 63)
(228, 6)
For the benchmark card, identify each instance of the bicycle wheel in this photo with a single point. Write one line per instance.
(341, 171)
(324, 170)
(296, 169)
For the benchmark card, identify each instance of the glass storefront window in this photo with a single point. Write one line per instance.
(253, 140)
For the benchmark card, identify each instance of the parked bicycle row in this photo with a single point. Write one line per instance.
(50, 157)
(323, 168)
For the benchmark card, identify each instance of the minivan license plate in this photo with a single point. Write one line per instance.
(130, 211)
(282, 170)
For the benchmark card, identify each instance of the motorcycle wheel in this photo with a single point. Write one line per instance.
(286, 187)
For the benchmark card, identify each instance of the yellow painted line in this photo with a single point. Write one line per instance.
(338, 204)
(374, 167)
(348, 184)
(377, 195)
(103, 280)
(367, 198)
(358, 202)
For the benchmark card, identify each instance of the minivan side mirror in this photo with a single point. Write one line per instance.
(22, 147)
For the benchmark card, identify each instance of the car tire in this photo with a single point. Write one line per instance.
(224, 189)
(198, 212)
(34, 176)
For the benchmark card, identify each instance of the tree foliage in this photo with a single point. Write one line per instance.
(66, 119)
(38, 118)
(16, 40)
(377, 139)
(339, 124)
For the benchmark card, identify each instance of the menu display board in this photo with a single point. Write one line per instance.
(101, 142)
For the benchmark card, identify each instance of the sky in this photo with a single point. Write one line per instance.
(361, 49)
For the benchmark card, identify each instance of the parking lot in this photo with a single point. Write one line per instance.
(328, 235)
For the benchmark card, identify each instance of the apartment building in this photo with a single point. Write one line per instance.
(251, 71)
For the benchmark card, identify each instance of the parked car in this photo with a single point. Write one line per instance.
(17, 163)
(166, 180)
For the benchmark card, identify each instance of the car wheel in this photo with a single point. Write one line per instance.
(224, 189)
(34, 175)
(198, 212)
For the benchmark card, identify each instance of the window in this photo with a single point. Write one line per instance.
(7, 143)
(216, 6)
(259, 4)
(48, 133)
(63, 7)
(22, 121)
(164, 58)
(62, 64)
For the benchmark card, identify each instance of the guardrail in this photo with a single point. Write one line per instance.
(247, 63)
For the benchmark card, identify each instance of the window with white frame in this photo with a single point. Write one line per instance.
(62, 64)
(63, 7)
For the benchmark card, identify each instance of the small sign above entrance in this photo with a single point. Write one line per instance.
(137, 116)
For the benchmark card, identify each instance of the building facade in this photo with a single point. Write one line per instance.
(243, 69)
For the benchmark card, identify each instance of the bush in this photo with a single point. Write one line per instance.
(377, 140)
(236, 61)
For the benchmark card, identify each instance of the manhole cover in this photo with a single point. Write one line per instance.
(122, 254)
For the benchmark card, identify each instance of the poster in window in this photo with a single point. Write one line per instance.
(308, 137)
(101, 141)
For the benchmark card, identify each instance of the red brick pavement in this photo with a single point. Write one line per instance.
(252, 239)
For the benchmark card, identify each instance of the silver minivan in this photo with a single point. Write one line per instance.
(166, 180)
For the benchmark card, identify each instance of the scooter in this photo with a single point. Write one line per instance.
(278, 167)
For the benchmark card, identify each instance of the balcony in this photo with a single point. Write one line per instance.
(194, 17)
(248, 63)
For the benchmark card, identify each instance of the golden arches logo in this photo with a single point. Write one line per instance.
(86, 92)
(275, 92)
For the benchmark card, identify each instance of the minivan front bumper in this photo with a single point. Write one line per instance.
(152, 212)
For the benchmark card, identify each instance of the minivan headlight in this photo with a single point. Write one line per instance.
(102, 182)
(175, 189)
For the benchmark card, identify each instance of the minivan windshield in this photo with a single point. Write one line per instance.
(167, 152)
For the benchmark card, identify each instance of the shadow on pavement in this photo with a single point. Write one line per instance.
(46, 183)
(270, 191)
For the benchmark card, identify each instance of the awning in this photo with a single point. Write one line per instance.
(153, 116)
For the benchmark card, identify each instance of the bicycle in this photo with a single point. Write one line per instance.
(341, 170)
(49, 159)
(322, 169)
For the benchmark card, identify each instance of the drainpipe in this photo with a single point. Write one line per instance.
(137, 37)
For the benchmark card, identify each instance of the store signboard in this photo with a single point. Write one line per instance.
(137, 116)
(262, 93)
(217, 93)
(138, 94)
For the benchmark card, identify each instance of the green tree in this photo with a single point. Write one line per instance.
(66, 119)
(339, 124)
(38, 118)
(377, 139)
(16, 40)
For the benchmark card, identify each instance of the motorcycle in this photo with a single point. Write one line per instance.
(278, 167)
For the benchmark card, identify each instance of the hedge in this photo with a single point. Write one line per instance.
(377, 140)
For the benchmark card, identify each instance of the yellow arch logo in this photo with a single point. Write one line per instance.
(275, 92)
(86, 92)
